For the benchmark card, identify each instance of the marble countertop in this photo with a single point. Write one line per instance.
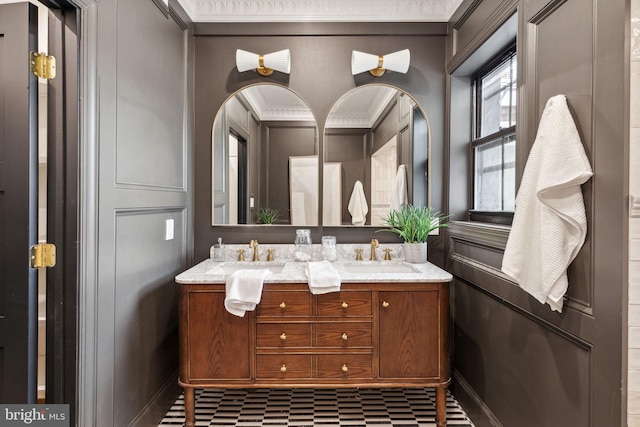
(290, 271)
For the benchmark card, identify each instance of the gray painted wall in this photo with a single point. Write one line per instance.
(140, 148)
(136, 141)
(515, 361)
(320, 74)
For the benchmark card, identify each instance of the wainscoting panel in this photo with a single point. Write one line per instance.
(145, 307)
(529, 372)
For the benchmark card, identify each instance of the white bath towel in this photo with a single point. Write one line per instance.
(358, 207)
(323, 277)
(549, 223)
(298, 211)
(244, 290)
(399, 191)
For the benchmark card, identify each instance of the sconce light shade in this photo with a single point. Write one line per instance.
(264, 64)
(376, 65)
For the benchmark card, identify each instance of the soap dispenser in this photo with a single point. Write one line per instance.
(217, 251)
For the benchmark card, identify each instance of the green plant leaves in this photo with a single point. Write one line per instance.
(414, 223)
(268, 215)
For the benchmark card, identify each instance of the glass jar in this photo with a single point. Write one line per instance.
(303, 246)
(217, 251)
(329, 250)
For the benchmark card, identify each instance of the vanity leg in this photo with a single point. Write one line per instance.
(189, 407)
(441, 406)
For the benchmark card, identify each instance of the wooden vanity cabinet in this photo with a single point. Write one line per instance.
(367, 335)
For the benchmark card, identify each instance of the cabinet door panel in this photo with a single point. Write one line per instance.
(409, 334)
(218, 340)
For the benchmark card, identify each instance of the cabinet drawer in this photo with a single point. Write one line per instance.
(284, 303)
(344, 334)
(283, 335)
(344, 366)
(286, 366)
(344, 304)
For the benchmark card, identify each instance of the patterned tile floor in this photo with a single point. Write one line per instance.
(317, 407)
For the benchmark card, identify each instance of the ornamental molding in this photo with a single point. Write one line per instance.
(320, 10)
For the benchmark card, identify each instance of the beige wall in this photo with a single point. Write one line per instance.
(633, 403)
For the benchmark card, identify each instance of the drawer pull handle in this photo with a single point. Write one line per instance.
(344, 336)
(283, 368)
(385, 304)
(345, 305)
(283, 336)
(283, 305)
(345, 368)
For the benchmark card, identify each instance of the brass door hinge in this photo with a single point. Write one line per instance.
(42, 65)
(43, 255)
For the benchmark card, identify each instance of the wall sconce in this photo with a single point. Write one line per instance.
(377, 64)
(264, 64)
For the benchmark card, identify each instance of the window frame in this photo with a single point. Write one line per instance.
(504, 217)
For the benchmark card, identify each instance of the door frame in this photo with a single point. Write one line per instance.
(73, 371)
(62, 211)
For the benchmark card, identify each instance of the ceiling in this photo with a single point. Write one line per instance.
(359, 108)
(320, 10)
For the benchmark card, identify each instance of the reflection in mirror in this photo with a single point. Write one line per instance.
(265, 155)
(376, 156)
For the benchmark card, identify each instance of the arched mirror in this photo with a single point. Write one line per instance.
(265, 159)
(376, 156)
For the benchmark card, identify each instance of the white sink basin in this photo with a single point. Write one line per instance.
(365, 267)
(227, 268)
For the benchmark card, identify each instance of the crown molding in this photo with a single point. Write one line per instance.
(320, 10)
(267, 112)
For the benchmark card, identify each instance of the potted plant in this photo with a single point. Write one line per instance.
(413, 224)
(267, 215)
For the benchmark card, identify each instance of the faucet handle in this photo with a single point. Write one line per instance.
(359, 254)
(269, 254)
(387, 254)
(240, 254)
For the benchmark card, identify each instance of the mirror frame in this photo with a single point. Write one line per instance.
(320, 144)
(221, 114)
(417, 105)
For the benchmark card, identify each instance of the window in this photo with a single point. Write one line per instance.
(494, 144)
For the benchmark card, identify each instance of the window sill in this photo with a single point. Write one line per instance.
(489, 235)
(493, 217)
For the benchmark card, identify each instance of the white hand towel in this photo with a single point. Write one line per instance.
(244, 290)
(549, 222)
(399, 191)
(358, 207)
(323, 278)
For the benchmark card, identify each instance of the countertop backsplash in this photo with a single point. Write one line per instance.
(286, 252)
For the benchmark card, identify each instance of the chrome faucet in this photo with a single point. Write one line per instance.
(374, 245)
(254, 244)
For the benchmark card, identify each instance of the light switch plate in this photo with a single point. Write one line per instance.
(634, 206)
(168, 233)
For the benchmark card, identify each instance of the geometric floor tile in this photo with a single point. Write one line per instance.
(406, 407)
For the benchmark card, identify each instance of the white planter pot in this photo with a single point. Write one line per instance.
(415, 253)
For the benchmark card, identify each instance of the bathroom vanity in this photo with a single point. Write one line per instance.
(383, 329)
